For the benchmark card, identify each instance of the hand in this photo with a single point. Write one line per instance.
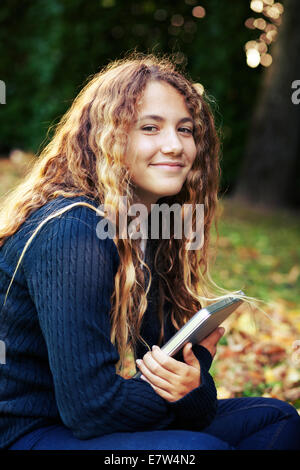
(210, 342)
(171, 379)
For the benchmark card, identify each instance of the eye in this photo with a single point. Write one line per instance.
(186, 130)
(149, 128)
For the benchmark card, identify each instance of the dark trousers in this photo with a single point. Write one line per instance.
(241, 424)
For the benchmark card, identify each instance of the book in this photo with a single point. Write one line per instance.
(204, 322)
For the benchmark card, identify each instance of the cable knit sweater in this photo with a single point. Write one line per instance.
(60, 363)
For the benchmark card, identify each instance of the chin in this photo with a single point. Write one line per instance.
(172, 192)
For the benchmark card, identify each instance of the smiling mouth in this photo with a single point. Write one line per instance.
(167, 164)
(167, 167)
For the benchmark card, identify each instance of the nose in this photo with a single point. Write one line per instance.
(171, 144)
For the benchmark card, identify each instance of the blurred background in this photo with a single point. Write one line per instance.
(246, 56)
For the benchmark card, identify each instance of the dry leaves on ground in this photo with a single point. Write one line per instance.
(258, 356)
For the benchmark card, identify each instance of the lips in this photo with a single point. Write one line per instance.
(168, 168)
(167, 164)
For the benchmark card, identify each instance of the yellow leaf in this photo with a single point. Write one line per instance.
(245, 323)
(269, 376)
(223, 392)
(293, 274)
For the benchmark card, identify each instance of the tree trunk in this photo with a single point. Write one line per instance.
(270, 169)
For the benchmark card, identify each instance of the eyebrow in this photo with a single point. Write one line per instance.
(155, 117)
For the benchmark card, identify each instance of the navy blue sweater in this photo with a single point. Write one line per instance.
(60, 363)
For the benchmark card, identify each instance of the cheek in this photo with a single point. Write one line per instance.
(145, 147)
(192, 152)
(141, 154)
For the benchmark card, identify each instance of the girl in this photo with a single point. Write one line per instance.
(75, 300)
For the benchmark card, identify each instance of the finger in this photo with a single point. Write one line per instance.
(160, 391)
(144, 378)
(160, 386)
(211, 340)
(189, 357)
(221, 330)
(163, 393)
(169, 364)
(156, 366)
(218, 332)
(214, 337)
(151, 372)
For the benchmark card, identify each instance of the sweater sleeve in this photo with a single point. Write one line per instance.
(70, 274)
(198, 408)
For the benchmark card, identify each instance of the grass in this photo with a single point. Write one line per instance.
(259, 251)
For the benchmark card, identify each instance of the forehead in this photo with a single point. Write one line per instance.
(161, 95)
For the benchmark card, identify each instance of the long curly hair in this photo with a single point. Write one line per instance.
(86, 157)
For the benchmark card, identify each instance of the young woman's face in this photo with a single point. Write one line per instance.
(161, 147)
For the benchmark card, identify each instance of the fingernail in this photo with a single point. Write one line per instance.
(155, 347)
(222, 330)
(138, 361)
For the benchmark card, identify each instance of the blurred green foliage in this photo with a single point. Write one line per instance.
(259, 252)
(49, 48)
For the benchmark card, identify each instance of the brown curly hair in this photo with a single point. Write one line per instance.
(86, 158)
